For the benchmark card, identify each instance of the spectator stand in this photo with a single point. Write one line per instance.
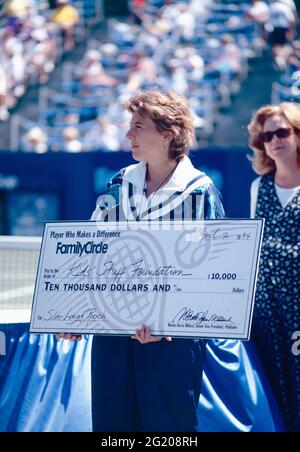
(68, 135)
(90, 15)
(208, 65)
(30, 47)
(91, 12)
(90, 104)
(33, 40)
(287, 88)
(54, 105)
(198, 50)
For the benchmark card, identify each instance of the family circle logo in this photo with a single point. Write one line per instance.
(296, 344)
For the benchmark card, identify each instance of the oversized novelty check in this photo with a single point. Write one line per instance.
(184, 279)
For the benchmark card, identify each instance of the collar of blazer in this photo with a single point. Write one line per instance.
(184, 172)
(185, 180)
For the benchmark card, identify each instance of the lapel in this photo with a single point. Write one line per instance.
(183, 182)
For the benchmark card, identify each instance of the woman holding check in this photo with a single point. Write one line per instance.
(153, 383)
(147, 383)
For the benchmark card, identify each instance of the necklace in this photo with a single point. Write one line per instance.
(151, 196)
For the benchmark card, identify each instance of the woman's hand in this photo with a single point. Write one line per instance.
(70, 337)
(143, 335)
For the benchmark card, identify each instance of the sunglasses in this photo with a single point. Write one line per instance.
(267, 137)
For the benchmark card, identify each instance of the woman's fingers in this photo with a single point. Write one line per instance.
(76, 337)
(147, 333)
(136, 336)
(143, 335)
(140, 334)
(59, 335)
(68, 336)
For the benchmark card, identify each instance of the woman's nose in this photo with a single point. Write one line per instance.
(275, 138)
(129, 134)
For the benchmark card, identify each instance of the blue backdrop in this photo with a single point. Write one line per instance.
(66, 185)
(45, 385)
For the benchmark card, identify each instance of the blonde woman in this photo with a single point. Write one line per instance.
(275, 195)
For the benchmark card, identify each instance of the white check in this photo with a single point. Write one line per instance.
(182, 279)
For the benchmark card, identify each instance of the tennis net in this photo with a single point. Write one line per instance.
(18, 266)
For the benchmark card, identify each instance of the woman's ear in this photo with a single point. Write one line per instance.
(168, 137)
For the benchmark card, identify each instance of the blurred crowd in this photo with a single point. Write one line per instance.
(32, 38)
(200, 49)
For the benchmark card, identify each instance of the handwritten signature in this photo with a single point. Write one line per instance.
(74, 317)
(190, 316)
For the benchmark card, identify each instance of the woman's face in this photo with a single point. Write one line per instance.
(281, 149)
(147, 143)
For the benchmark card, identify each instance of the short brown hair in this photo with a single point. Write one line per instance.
(169, 112)
(261, 163)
